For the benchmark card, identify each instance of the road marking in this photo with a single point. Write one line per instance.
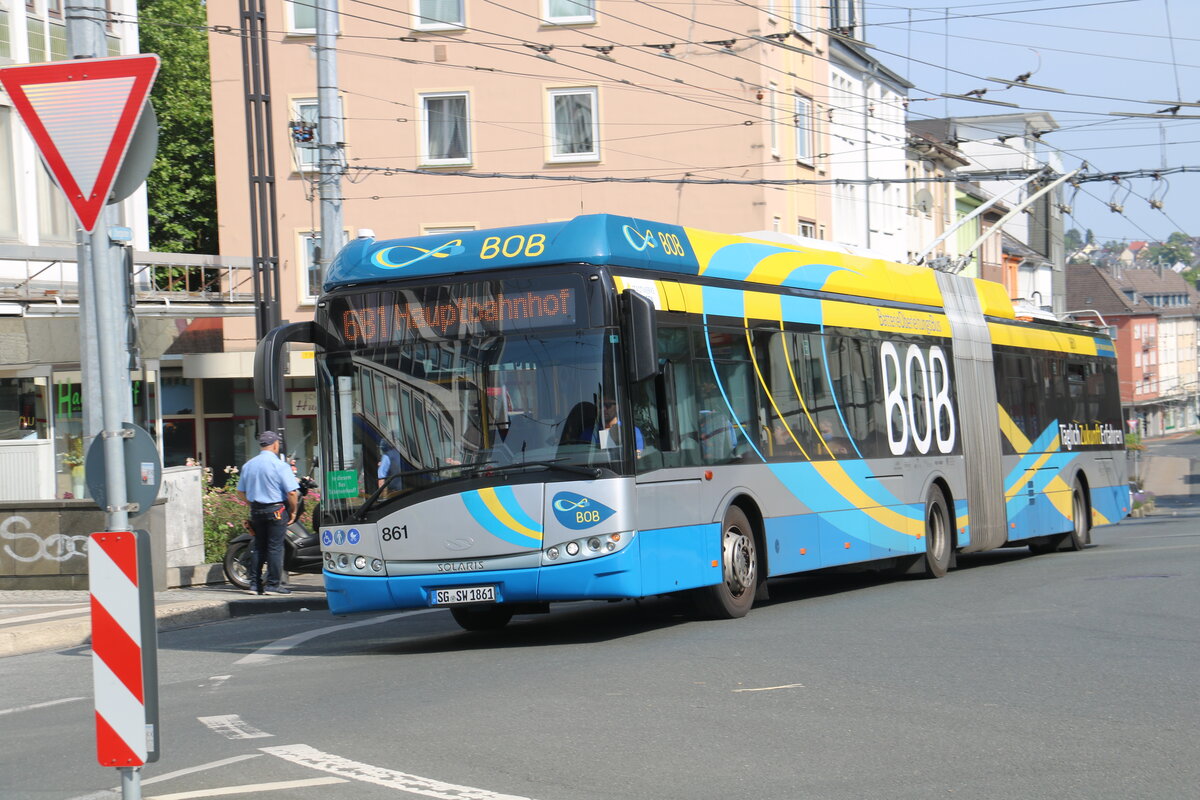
(248, 788)
(231, 726)
(773, 688)
(47, 704)
(31, 617)
(281, 646)
(110, 794)
(217, 680)
(311, 757)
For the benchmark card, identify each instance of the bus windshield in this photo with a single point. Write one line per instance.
(405, 418)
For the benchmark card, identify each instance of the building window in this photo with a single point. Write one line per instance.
(774, 115)
(805, 228)
(574, 134)
(306, 251)
(568, 12)
(445, 134)
(8, 186)
(430, 230)
(802, 119)
(843, 16)
(438, 14)
(799, 12)
(5, 35)
(56, 221)
(304, 133)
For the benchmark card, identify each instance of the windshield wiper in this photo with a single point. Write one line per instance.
(590, 472)
(369, 503)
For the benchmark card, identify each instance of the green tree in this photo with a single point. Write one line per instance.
(1176, 250)
(1072, 240)
(182, 184)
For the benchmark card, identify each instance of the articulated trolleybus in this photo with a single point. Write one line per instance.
(612, 408)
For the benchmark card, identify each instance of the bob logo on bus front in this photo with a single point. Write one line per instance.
(576, 512)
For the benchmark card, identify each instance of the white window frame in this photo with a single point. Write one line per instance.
(289, 14)
(10, 228)
(420, 23)
(306, 244)
(588, 7)
(802, 120)
(429, 230)
(806, 229)
(306, 158)
(426, 158)
(594, 153)
(772, 95)
(799, 15)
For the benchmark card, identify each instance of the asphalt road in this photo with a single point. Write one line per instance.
(1070, 675)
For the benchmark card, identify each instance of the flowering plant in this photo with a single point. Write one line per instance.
(225, 514)
(74, 455)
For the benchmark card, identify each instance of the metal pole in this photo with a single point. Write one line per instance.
(329, 135)
(260, 152)
(85, 39)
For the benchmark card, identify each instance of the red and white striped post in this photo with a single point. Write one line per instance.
(124, 648)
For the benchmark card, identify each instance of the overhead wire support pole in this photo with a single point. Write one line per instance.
(260, 154)
(329, 137)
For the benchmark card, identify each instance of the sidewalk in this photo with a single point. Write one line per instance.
(33, 620)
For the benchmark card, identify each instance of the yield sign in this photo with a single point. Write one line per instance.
(81, 115)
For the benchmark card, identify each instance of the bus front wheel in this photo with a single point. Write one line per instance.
(938, 545)
(734, 595)
(481, 618)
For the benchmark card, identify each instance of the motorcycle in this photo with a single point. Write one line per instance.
(301, 549)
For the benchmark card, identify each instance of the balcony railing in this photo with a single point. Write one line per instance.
(37, 276)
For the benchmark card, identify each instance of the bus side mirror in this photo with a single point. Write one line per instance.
(268, 362)
(639, 329)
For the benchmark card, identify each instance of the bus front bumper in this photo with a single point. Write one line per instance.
(617, 576)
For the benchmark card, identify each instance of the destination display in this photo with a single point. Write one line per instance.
(452, 311)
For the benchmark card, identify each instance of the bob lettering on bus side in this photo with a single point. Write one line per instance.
(917, 403)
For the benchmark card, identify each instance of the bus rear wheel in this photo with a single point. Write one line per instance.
(938, 546)
(481, 618)
(734, 595)
(1081, 523)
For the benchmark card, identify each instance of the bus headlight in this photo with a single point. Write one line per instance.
(588, 547)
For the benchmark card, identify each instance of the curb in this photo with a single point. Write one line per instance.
(67, 634)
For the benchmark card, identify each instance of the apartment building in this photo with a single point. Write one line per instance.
(1155, 314)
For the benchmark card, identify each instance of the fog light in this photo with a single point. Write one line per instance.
(377, 565)
(343, 561)
(552, 553)
(572, 548)
(360, 562)
(593, 543)
(611, 546)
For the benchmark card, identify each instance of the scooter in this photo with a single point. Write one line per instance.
(301, 552)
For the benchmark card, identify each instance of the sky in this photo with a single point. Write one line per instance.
(1106, 56)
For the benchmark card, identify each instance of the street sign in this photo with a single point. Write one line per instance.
(124, 648)
(81, 115)
(143, 469)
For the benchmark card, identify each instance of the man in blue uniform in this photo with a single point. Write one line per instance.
(268, 485)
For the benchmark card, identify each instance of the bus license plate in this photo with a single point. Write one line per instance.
(464, 594)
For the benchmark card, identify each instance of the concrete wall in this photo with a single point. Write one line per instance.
(43, 543)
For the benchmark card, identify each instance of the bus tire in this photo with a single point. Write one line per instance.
(938, 544)
(481, 618)
(1080, 534)
(734, 595)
